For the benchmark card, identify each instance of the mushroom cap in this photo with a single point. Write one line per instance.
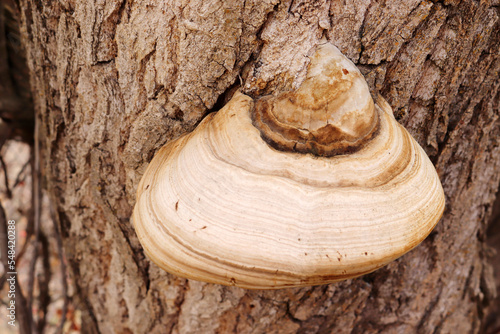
(225, 204)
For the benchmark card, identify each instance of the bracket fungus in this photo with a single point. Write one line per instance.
(308, 187)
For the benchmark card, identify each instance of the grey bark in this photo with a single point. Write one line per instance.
(113, 81)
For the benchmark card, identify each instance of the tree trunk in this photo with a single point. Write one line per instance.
(115, 80)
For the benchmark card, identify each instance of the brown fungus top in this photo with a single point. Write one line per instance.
(331, 113)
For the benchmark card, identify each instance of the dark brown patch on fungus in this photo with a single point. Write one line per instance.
(331, 113)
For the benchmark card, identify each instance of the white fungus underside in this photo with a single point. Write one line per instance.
(226, 208)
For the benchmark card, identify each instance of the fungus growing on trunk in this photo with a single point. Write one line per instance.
(309, 187)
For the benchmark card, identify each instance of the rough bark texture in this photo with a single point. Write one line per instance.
(115, 80)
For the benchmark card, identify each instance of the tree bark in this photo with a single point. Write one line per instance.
(115, 80)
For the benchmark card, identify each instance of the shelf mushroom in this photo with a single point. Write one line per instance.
(309, 187)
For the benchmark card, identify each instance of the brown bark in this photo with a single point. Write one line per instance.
(113, 81)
